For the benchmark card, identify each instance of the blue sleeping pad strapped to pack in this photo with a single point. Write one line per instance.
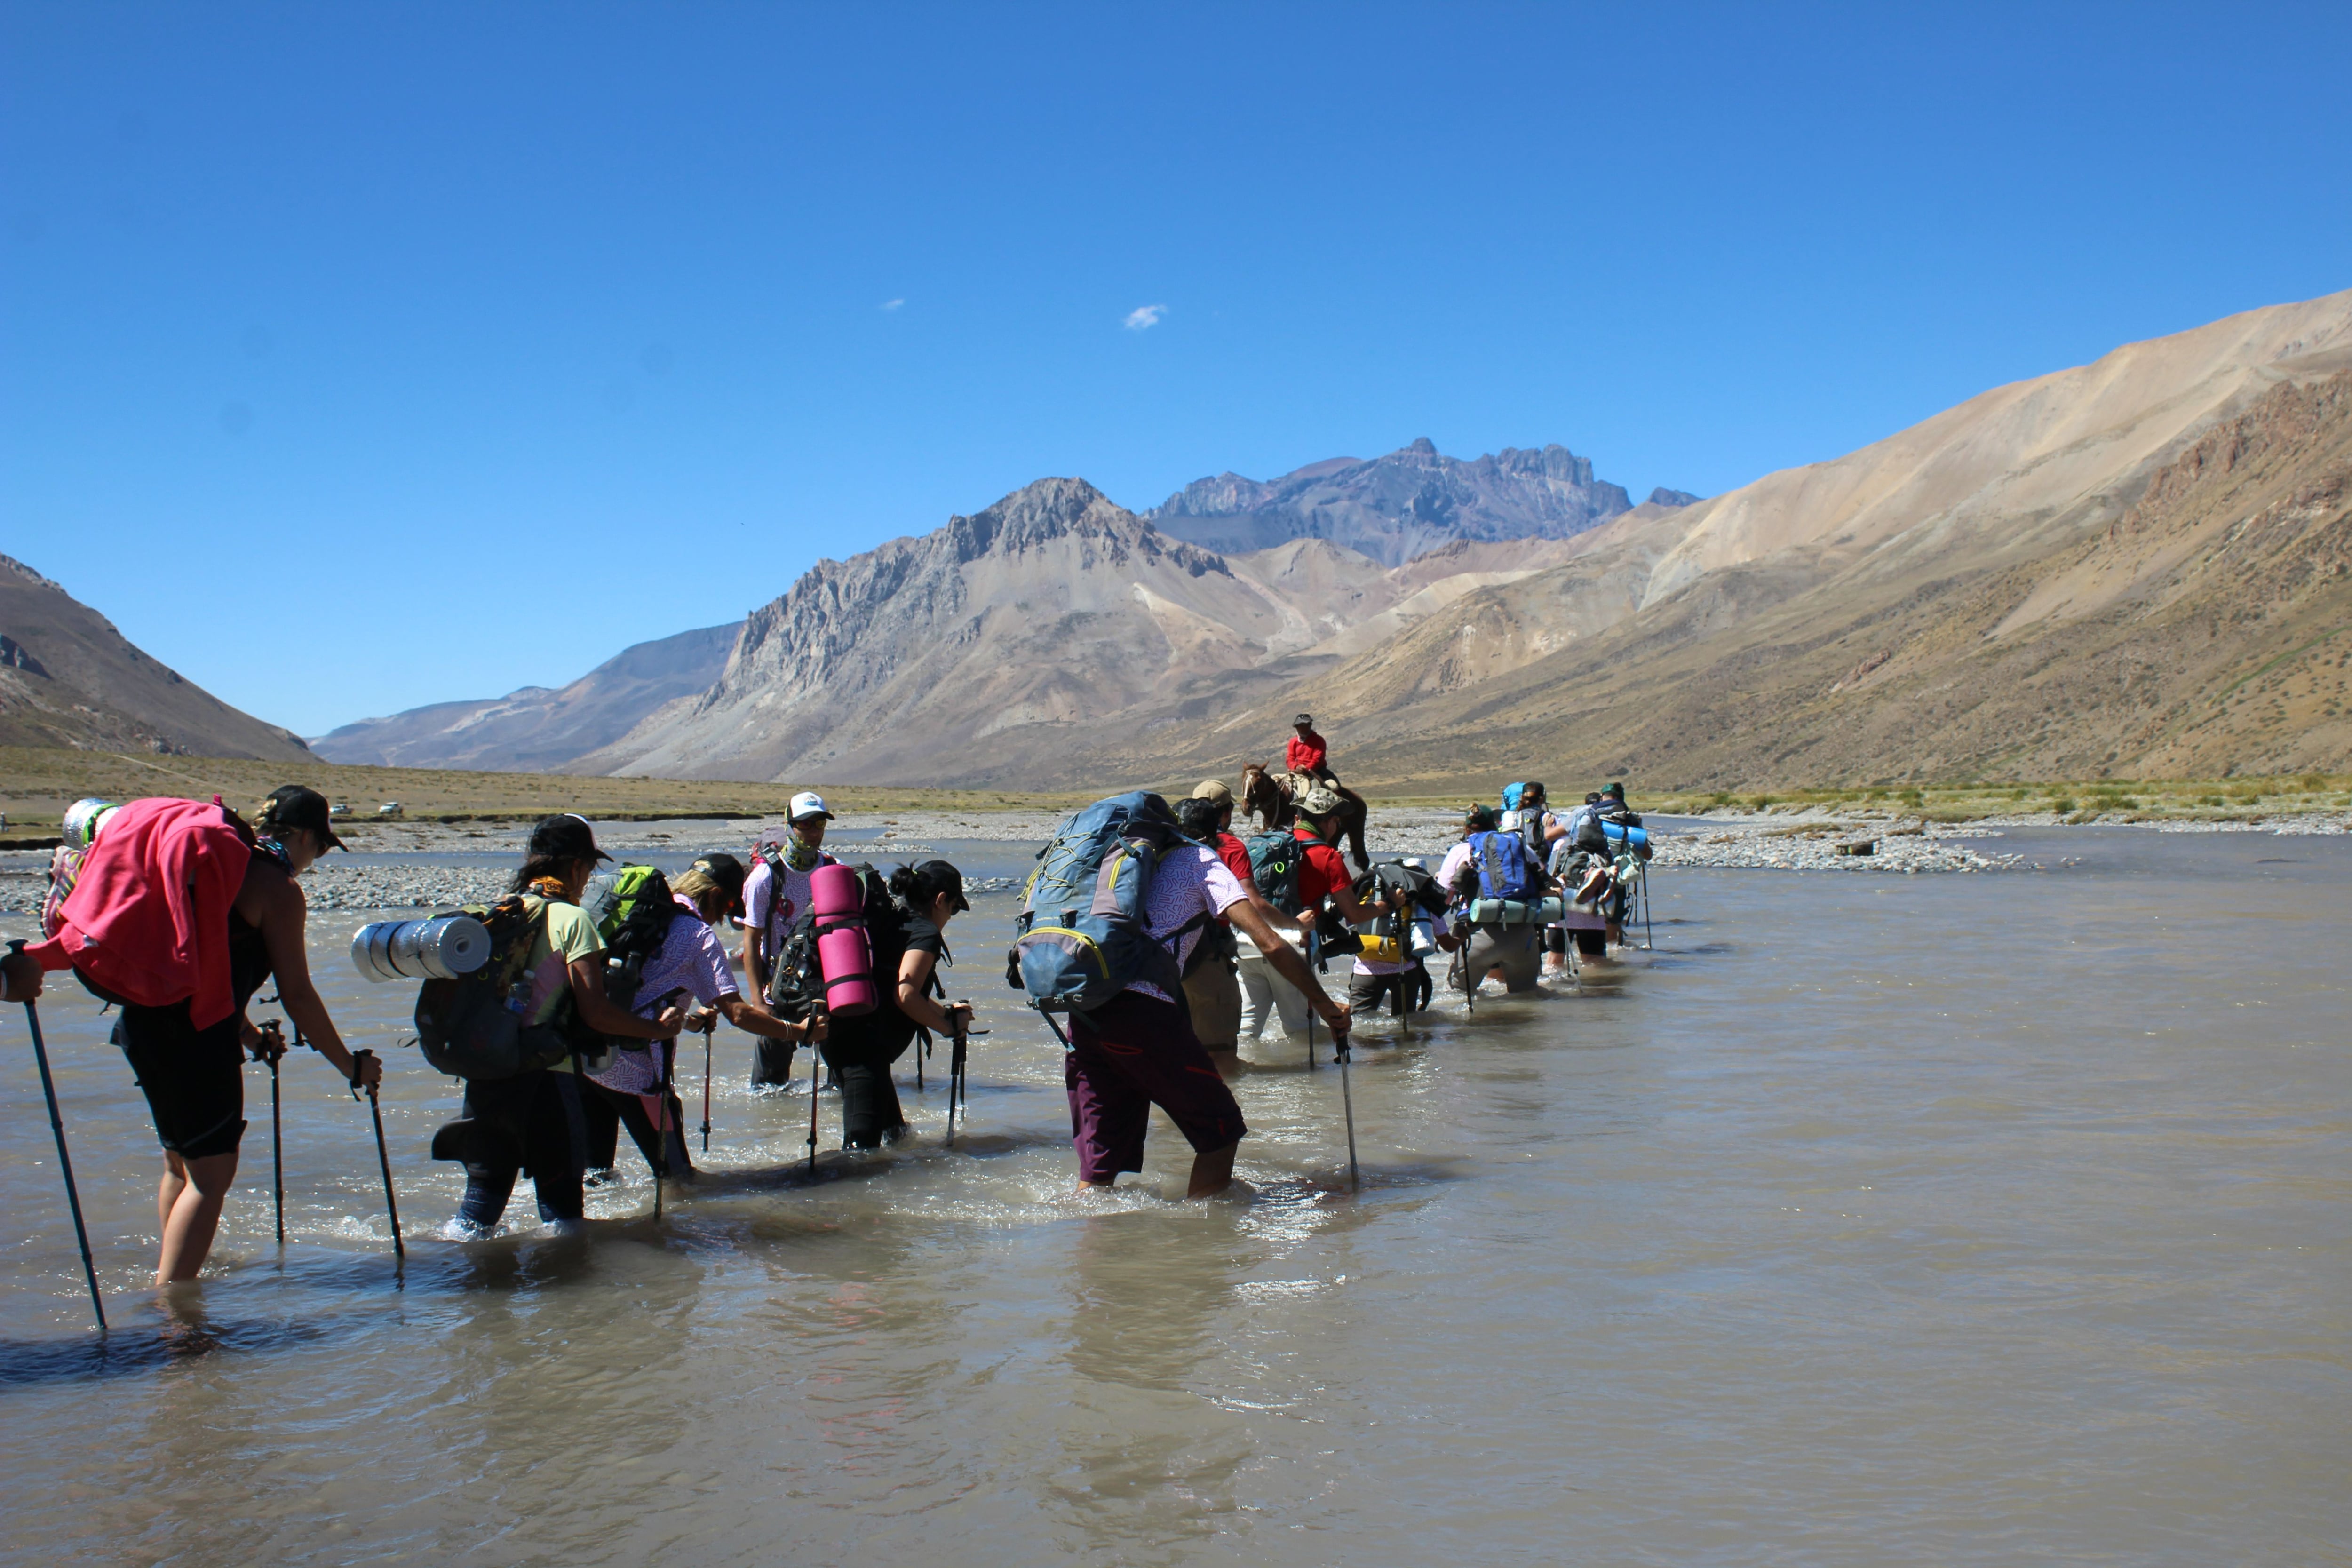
(1081, 938)
(1624, 838)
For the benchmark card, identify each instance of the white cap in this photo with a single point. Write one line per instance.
(808, 803)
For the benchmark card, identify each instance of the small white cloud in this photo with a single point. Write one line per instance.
(1144, 317)
(892, 304)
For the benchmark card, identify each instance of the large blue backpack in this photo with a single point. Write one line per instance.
(1081, 939)
(1505, 869)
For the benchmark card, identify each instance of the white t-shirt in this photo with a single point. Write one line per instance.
(1190, 881)
(1451, 867)
(773, 909)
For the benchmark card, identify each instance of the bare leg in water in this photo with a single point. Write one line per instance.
(188, 1209)
(1212, 1173)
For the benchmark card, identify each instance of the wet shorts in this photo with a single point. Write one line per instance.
(1366, 993)
(193, 1078)
(1130, 1054)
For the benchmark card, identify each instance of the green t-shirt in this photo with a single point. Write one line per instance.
(566, 936)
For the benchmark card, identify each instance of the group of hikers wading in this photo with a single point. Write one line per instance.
(1154, 939)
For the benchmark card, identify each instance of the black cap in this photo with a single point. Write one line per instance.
(935, 877)
(1305, 719)
(298, 805)
(728, 872)
(564, 836)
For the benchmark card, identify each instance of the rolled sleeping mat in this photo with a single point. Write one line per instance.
(442, 948)
(79, 830)
(1517, 911)
(837, 897)
(1617, 833)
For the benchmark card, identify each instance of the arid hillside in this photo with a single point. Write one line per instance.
(2134, 567)
(68, 678)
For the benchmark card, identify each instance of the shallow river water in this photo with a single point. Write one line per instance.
(1869, 1219)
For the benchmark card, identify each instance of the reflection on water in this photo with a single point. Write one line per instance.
(1871, 1220)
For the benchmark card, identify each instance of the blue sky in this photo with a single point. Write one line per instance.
(353, 357)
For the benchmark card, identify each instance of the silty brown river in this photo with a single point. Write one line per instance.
(1870, 1219)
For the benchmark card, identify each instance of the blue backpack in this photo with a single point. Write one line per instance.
(1505, 869)
(1080, 939)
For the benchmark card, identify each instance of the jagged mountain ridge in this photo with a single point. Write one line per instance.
(69, 678)
(1049, 615)
(1396, 507)
(539, 728)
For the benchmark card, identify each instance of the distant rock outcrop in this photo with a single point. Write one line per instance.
(979, 653)
(68, 678)
(1665, 497)
(1395, 508)
(540, 728)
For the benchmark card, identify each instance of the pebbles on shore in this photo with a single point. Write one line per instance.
(1807, 840)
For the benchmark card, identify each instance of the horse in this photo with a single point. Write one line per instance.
(1263, 800)
(1273, 798)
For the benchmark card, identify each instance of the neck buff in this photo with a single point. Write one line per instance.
(798, 854)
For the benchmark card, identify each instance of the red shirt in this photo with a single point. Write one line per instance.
(1305, 752)
(1320, 869)
(1235, 855)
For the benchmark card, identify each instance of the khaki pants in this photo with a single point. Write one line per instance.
(1266, 995)
(1213, 994)
(1517, 951)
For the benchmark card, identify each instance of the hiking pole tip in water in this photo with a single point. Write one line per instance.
(65, 1160)
(1348, 1104)
(271, 1048)
(709, 1029)
(359, 1059)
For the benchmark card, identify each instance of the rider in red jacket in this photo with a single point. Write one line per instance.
(1307, 752)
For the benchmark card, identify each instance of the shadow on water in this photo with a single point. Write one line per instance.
(131, 1349)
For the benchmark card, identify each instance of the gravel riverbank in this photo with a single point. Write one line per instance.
(1808, 840)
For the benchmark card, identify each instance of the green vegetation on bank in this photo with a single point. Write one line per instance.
(37, 784)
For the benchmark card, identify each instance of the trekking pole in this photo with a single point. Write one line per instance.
(706, 1034)
(816, 1059)
(1649, 942)
(668, 1050)
(1310, 1011)
(957, 1062)
(65, 1160)
(269, 1049)
(382, 1159)
(1348, 1102)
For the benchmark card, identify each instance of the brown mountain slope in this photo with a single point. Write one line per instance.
(2199, 633)
(1942, 602)
(68, 678)
(1020, 633)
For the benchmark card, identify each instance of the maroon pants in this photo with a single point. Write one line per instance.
(1130, 1054)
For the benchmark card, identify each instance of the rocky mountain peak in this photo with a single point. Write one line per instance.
(1398, 506)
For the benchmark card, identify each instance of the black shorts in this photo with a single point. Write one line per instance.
(193, 1078)
(1592, 943)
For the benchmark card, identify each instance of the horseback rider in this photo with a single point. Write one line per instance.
(1308, 753)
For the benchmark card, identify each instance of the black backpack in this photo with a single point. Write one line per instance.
(1275, 861)
(796, 990)
(632, 908)
(472, 1026)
